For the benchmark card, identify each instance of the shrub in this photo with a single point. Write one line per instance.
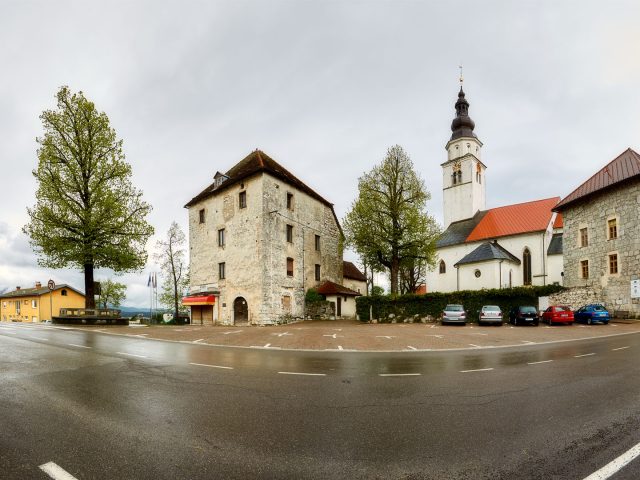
(312, 296)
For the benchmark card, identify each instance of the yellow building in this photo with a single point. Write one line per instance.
(39, 303)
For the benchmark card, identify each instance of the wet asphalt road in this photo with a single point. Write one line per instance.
(103, 406)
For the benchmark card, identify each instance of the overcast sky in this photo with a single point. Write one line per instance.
(324, 87)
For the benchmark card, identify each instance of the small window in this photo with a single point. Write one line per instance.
(26, 302)
(584, 268)
(613, 263)
(63, 292)
(584, 237)
(289, 267)
(34, 304)
(201, 215)
(443, 267)
(221, 271)
(242, 199)
(221, 237)
(613, 228)
(286, 304)
(317, 243)
(317, 272)
(290, 201)
(290, 233)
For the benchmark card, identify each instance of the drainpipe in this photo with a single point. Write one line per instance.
(457, 278)
(500, 273)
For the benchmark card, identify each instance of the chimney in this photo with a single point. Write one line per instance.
(38, 285)
(17, 288)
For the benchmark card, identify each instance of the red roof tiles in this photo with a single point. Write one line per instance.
(624, 166)
(330, 288)
(349, 270)
(514, 219)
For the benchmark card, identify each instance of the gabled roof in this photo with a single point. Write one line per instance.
(349, 270)
(330, 288)
(36, 292)
(254, 163)
(559, 221)
(624, 167)
(488, 251)
(457, 232)
(514, 220)
(555, 245)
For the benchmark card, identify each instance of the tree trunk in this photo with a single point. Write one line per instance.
(89, 297)
(394, 270)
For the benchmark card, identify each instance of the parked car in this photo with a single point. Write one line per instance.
(593, 313)
(490, 314)
(557, 314)
(527, 315)
(454, 314)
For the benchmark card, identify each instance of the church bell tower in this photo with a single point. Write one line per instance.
(463, 174)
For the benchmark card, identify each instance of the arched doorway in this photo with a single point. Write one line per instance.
(240, 312)
(526, 267)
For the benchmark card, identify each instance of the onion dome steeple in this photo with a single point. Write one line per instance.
(462, 125)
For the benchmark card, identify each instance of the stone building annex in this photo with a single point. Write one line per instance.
(258, 239)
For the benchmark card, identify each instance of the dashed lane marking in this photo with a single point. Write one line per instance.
(399, 374)
(616, 465)
(388, 337)
(620, 348)
(411, 348)
(232, 332)
(437, 336)
(476, 346)
(541, 361)
(304, 373)
(477, 370)
(283, 334)
(199, 340)
(527, 342)
(132, 355)
(212, 366)
(56, 472)
(583, 355)
(76, 345)
(478, 333)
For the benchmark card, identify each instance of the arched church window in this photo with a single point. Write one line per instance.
(459, 176)
(478, 173)
(443, 267)
(526, 267)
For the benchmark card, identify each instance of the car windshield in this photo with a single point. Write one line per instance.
(454, 308)
(490, 308)
(599, 308)
(563, 309)
(528, 309)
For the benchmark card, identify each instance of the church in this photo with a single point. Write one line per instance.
(480, 248)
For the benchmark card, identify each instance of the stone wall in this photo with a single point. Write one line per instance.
(623, 204)
(322, 310)
(575, 297)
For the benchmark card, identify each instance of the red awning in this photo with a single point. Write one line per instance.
(199, 300)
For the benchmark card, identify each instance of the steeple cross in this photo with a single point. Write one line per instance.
(461, 78)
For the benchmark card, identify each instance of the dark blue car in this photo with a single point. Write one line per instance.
(592, 314)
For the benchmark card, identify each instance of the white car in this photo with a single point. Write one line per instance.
(490, 314)
(454, 314)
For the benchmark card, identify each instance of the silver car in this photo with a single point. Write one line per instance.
(454, 314)
(490, 314)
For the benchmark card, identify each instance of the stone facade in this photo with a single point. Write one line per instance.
(593, 213)
(279, 222)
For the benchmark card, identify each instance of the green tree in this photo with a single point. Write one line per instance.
(112, 294)
(388, 224)
(87, 213)
(171, 257)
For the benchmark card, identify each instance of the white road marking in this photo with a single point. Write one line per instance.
(388, 337)
(132, 355)
(541, 361)
(338, 329)
(340, 347)
(583, 355)
(79, 346)
(302, 373)
(621, 348)
(199, 340)
(234, 331)
(615, 465)
(478, 333)
(411, 348)
(476, 370)
(477, 346)
(212, 366)
(437, 336)
(527, 342)
(56, 472)
(284, 334)
(399, 374)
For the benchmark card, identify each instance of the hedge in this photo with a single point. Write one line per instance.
(433, 303)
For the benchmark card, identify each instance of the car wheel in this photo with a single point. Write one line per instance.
(589, 321)
(606, 323)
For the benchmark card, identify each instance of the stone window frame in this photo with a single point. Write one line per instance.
(616, 226)
(289, 232)
(583, 241)
(201, 216)
(617, 264)
(290, 201)
(290, 267)
(242, 199)
(222, 271)
(583, 262)
(222, 237)
(317, 243)
(317, 272)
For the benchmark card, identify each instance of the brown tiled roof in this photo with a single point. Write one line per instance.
(31, 292)
(330, 288)
(349, 270)
(256, 162)
(623, 167)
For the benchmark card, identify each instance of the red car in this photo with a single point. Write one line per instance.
(557, 314)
